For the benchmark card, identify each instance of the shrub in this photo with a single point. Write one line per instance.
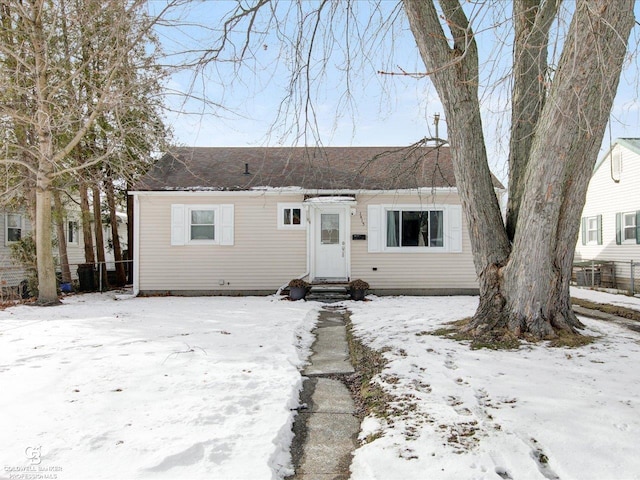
(358, 285)
(298, 283)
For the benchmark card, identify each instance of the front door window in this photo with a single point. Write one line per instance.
(330, 228)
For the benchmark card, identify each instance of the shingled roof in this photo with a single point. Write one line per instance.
(326, 168)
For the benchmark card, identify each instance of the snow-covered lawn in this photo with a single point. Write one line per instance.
(196, 388)
(536, 413)
(151, 387)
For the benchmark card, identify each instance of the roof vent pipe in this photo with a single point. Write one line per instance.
(246, 169)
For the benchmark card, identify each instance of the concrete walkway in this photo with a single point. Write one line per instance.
(326, 428)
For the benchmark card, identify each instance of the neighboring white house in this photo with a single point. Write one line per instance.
(248, 220)
(610, 226)
(14, 225)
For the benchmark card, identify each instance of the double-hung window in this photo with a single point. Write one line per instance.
(592, 230)
(628, 227)
(414, 228)
(13, 227)
(202, 224)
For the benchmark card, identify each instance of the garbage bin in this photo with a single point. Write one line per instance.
(86, 277)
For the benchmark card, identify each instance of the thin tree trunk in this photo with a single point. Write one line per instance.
(121, 277)
(62, 239)
(87, 234)
(97, 225)
(47, 288)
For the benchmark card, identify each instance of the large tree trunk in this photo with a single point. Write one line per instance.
(563, 154)
(532, 22)
(524, 290)
(121, 277)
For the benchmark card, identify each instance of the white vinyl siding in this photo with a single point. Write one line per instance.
(608, 199)
(262, 258)
(265, 257)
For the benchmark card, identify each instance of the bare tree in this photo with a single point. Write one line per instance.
(525, 270)
(60, 78)
(557, 125)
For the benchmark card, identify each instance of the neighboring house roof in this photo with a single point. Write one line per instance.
(325, 168)
(632, 144)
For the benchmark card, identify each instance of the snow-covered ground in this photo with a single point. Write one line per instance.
(606, 297)
(535, 413)
(166, 387)
(197, 388)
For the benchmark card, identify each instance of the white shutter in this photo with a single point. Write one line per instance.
(177, 224)
(374, 228)
(226, 225)
(454, 213)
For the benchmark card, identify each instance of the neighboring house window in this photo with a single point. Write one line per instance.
(412, 228)
(415, 228)
(628, 227)
(202, 224)
(592, 230)
(13, 227)
(72, 232)
(291, 216)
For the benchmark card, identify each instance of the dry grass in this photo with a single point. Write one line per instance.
(607, 308)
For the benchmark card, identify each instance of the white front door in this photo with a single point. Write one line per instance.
(330, 243)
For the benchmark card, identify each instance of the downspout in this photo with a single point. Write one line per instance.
(307, 273)
(136, 245)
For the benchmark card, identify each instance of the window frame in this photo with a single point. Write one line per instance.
(72, 232)
(625, 226)
(180, 224)
(7, 228)
(216, 227)
(590, 231)
(412, 248)
(282, 207)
